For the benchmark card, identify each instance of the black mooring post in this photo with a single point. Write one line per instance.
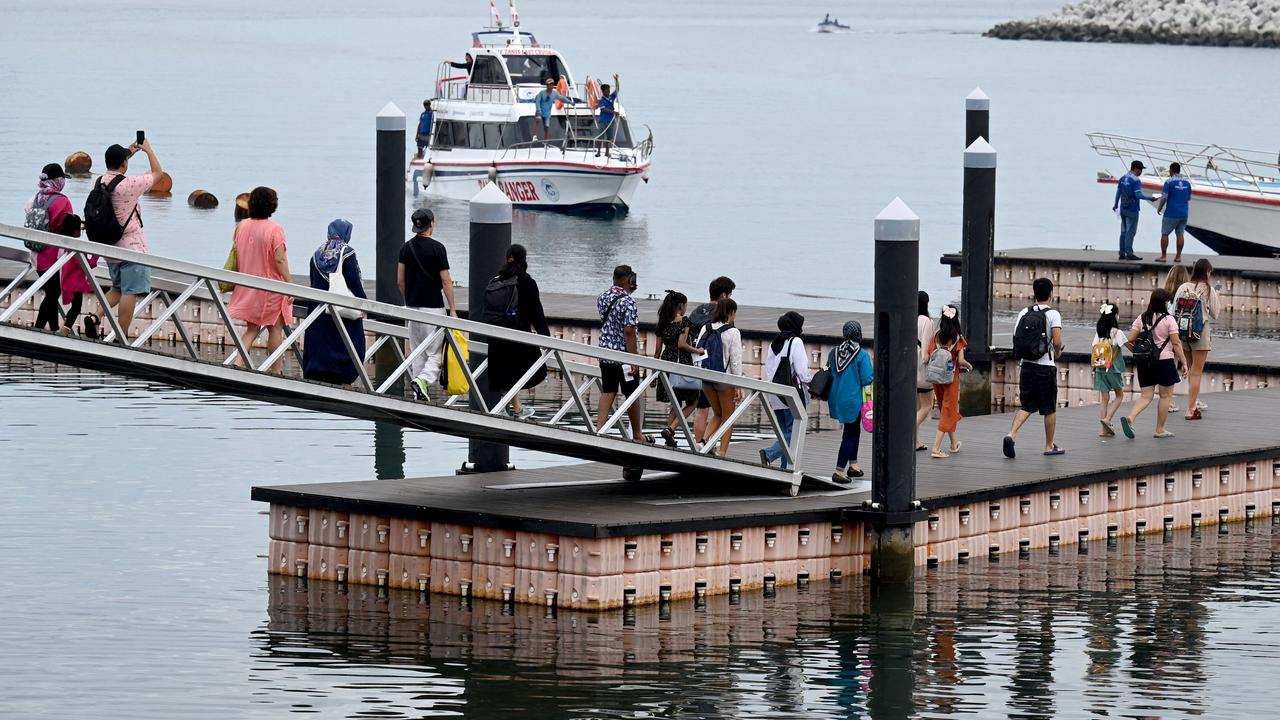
(977, 117)
(976, 274)
(893, 455)
(490, 241)
(390, 202)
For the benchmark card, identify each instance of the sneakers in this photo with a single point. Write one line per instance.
(420, 389)
(525, 413)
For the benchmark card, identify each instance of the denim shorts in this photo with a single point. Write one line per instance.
(130, 278)
(1171, 225)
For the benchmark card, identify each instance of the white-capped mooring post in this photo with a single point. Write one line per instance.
(977, 270)
(893, 455)
(489, 242)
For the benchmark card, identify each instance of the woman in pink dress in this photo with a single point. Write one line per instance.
(260, 250)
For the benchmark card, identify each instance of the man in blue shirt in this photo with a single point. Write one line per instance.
(1128, 193)
(1176, 199)
(544, 101)
(424, 127)
(607, 104)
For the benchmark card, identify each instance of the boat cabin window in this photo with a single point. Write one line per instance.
(481, 135)
(535, 69)
(487, 71)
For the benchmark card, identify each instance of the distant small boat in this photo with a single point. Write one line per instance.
(831, 25)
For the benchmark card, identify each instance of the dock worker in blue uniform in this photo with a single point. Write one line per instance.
(1128, 193)
(1176, 199)
(608, 106)
(544, 101)
(425, 120)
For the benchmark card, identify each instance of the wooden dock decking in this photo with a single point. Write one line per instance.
(591, 500)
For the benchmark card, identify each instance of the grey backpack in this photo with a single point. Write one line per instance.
(38, 219)
(941, 369)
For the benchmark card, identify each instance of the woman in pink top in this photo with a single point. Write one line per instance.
(260, 250)
(1164, 372)
(45, 211)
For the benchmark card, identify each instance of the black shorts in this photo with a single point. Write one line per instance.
(611, 379)
(703, 402)
(1164, 373)
(1038, 388)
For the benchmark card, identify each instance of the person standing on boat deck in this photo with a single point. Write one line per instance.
(424, 127)
(607, 105)
(544, 101)
(1175, 205)
(619, 317)
(786, 344)
(425, 282)
(467, 63)
(720, 289)
(1128, 193)
(324, 354)
(1038, 378)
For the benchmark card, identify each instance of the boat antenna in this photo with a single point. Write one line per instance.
(497, 19)
(515, 16)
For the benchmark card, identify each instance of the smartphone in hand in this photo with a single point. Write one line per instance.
(142, 137)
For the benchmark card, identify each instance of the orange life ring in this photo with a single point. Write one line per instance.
(593, 93)
(562, 87)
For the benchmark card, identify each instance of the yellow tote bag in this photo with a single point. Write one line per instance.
(455, 381)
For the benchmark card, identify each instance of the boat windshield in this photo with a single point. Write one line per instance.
(535, 69)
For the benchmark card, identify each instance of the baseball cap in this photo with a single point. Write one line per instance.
(115, 156)
(1137, 164)
(53, 171)
(422, 219)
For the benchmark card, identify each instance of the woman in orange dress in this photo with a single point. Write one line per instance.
(260, 250)
(949, 337)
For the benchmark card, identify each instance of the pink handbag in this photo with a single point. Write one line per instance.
(868, 410)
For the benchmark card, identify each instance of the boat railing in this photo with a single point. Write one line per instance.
(637, 154)
(1227, 167)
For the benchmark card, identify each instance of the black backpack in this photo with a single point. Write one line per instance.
(1145, 351)
(1031, 337)
(100, 222)
(785, 374)
(701, 317)
(502, 301)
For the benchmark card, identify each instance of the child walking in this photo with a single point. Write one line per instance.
(950, 338)
(1108, 366)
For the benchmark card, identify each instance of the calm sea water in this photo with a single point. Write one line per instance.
(133, 587)
(776, 146)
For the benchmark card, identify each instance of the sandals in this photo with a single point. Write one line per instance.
(938, 454)
(956, 448)
(1008, 447)
(855, 471)
(1107, 429)
(1195, 415)
(921, 446)
(1163, 435)
(840, 478)
(1055, 451)
(669, 437)
(1127, 427)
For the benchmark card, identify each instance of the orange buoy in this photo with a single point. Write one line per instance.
(562, 87)
(78, 163)
(593, 93)
(202, 199)
(163, 185)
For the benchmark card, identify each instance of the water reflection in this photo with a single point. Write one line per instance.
(1140, 628)
(388, 451)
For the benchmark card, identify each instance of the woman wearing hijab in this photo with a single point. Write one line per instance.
(851, 371)
(324, 355)
(509, 361)
(787, 344)
(46, 211)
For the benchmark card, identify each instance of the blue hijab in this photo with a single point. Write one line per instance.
(326, 258)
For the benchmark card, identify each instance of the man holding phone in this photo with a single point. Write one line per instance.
(129, 280)
(619, 317)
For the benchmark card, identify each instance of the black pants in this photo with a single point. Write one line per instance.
(47, 315)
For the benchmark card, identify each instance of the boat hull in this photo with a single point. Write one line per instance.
(560, 186)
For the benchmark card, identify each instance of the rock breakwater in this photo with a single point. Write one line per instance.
(1223, 23)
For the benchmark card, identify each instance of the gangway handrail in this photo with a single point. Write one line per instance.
(552, 351)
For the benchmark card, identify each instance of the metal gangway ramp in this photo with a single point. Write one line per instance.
(570, 431)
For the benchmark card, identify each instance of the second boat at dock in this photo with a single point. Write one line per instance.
(484, 130)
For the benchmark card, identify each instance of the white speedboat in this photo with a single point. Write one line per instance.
(1235, 194)
(484, 130)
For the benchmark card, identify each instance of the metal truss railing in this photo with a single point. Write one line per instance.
(575, 364)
